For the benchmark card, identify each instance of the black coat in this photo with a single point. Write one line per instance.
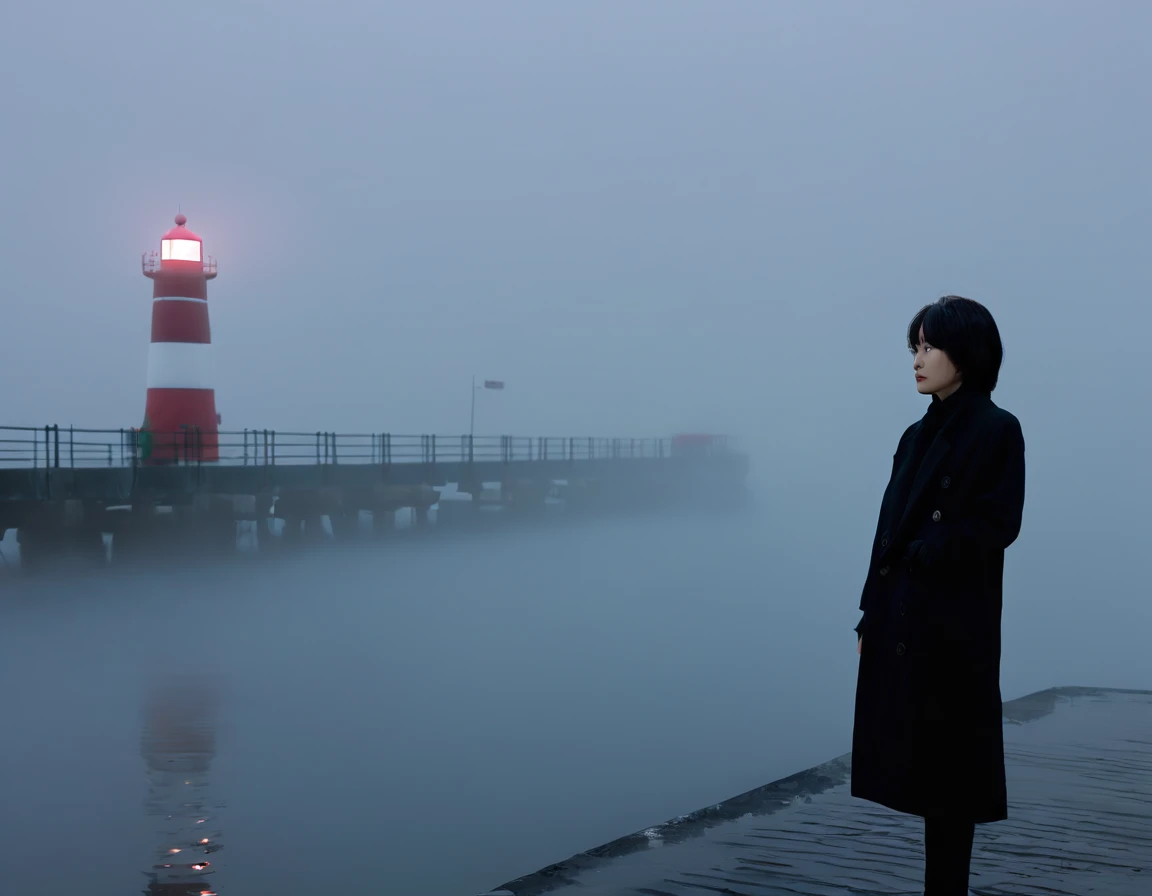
(928, 736)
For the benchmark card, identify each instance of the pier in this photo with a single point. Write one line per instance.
(1079, 764)
(67, 491)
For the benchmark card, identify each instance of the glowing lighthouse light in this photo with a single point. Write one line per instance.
(180, 250)
(180, 419)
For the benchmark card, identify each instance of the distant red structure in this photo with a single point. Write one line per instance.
(697, 444)
(180, 419)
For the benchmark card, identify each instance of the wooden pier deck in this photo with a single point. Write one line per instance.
(1080, 823)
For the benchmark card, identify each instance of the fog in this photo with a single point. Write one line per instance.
(449, 713)
(644, 217)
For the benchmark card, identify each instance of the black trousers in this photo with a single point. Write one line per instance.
(947, 856)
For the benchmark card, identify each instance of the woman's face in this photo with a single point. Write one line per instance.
(935, 372)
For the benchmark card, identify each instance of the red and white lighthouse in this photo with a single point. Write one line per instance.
(180, 420)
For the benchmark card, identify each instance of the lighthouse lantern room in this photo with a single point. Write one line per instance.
(180, 419)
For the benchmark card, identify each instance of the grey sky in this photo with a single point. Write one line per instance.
(645, 216)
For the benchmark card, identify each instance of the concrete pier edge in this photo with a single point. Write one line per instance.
(764, 800)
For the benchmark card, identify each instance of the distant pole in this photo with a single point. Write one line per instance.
(488, 384)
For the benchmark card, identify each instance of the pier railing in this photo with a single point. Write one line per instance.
(70, 447)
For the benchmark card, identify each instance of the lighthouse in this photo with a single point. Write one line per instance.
(180, 420)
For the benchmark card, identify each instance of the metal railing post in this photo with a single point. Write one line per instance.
(47, 466)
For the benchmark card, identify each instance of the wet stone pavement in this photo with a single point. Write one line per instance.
(1080, 823)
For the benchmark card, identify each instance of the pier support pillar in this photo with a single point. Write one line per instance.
(61, 535)
(525, 498)
(210, 527)
(57, 549)
(383, 523)
(345, 524)
(303, 530)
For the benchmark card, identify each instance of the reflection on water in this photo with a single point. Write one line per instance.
(178, 745)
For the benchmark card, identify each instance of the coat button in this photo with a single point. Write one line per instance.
(900, 649)
(903, 608)
(945, 482)
(935, 516)
(883, 570)
(884, 542)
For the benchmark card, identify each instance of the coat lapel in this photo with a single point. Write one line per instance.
(935, 456)
(951, 434)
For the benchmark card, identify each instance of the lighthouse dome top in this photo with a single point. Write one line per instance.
(181, 244)
(180, 231)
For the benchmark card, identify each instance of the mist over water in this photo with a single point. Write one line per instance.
(446, 713)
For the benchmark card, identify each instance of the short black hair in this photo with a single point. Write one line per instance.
(966, 332)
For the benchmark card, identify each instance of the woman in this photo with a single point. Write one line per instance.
(928, 737)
